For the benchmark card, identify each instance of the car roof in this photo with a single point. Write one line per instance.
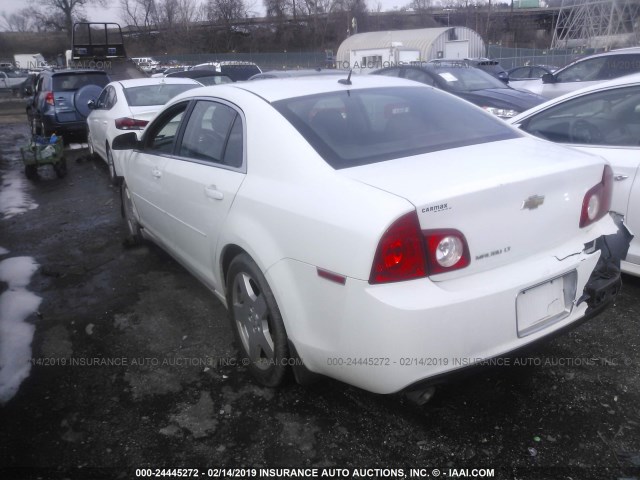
(619, 51)
(141, 82)
(292, 73)
(627, 80)
(67, 71)
(274, 89)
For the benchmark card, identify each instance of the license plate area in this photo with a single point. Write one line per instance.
(544, 304)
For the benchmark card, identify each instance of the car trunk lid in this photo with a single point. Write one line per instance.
(510, 199)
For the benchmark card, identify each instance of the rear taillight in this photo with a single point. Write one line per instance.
(447, 250)
(400, 254)
(49, 98)
(126, 123)
(405, 252)
(597, 201)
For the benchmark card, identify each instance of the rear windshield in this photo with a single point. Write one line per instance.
(160, 94)
(467, 79)
(239, 72)
(213, 80)
(360, 127)
(75, 81)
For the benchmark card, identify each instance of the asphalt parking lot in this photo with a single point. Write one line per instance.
(132, 368)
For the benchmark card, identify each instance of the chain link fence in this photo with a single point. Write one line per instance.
(516, 57)
(287, 60)
(292, 60)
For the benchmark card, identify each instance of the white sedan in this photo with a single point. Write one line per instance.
(371, 229)
(603, 119)
(128, 105)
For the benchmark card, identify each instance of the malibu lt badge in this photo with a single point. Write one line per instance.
(533, 202)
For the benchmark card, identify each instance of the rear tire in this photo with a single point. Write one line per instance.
(61, 168)
(113, 176)
(43, 130)
(129, 215)
(35, 127)
(257, 323)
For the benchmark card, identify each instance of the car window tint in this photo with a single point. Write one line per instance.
(207, 131)
(389, 72)
(522, 72)
(609, 118)
(357, 127)
(76, 81)
(587, 70)
(418, 76)
(101, 102)
(159, 94)
(162, 133)
(619, 65)
(537, 72)
(465, 79)
(111, 98)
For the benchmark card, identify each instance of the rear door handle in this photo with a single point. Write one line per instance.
(212, 192)
(620, 177)
(156, 173)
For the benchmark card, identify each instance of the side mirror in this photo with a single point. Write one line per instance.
(91, 104)
(548, 78)
(126, 141)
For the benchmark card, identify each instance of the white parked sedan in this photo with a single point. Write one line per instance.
(372, 229)
(128, 105)
(605, 120)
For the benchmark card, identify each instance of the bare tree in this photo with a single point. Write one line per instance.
(138, 13)
(226, 13)
(421, 5)
(21, 21)
(61, 14)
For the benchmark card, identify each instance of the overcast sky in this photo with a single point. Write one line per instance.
(112, 13)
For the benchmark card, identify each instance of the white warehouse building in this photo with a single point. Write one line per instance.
(373, 50)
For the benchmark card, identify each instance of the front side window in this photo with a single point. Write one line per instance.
(585, 71)
(608, 118)
(213, 134)
(161, 134)
(522, 72)
(359, 127)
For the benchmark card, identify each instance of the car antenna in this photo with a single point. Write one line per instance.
(346, 81)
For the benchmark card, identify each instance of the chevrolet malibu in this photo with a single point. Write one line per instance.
(371, 229)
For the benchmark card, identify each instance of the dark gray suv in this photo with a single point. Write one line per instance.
(59, 101)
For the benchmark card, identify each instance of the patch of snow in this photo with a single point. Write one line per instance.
(16, 335)
(77, 146)
(3, 251)
(14, 198)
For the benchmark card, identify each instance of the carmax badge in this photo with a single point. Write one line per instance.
(534, 201)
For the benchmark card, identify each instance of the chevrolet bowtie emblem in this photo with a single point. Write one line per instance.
(534, 201)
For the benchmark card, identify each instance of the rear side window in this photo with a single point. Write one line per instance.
(75, 81)
(359, 127)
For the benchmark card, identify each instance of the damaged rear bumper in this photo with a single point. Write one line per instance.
(605, 281)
